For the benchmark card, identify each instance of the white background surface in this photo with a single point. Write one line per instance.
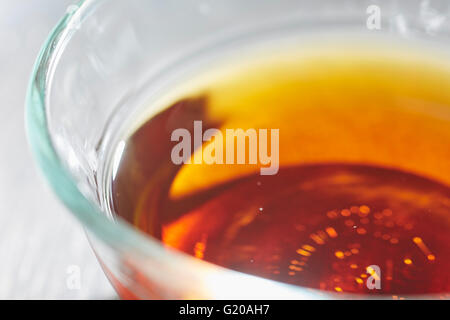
(39, 239)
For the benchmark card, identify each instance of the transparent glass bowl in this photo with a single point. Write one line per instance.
(106, 60)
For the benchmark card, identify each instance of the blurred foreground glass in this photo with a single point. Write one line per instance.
(107, 61)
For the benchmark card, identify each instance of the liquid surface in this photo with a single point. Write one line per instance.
(322, 226)
(363, 179)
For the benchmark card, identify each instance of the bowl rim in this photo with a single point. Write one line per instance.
(116, 233)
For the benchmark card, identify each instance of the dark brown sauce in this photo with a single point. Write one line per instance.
(318, 224)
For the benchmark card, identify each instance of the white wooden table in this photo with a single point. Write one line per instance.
(39, 239)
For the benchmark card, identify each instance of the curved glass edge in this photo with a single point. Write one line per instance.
(49, 162)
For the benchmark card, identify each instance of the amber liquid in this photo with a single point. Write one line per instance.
(364, 173)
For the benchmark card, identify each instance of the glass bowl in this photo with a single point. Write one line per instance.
(105, 60)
